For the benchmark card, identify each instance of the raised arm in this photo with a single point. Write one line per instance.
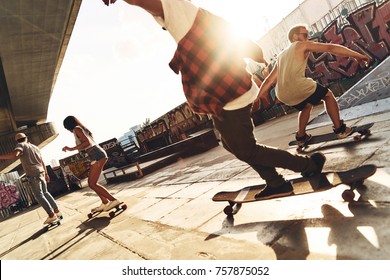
(336, 49)
(154, 7)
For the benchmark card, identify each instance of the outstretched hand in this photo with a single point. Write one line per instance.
(66, 148)
(364, 62)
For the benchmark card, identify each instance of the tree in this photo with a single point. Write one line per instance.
(145, 123)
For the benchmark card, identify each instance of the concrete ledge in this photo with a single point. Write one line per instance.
(198, 142)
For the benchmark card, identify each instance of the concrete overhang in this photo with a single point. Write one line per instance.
(34, 35)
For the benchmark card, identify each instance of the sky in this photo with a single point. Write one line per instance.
(115, 72)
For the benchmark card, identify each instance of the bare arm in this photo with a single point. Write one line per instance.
(12, 155)
(268, 82)
(47, 178)
(154, 7)
(84, 141)
(336, 49)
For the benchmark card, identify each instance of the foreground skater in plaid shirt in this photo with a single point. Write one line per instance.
(210, 59)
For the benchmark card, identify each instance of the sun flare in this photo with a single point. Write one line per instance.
(252, 18)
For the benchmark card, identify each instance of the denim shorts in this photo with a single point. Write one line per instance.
(313, 99)
(96, 153)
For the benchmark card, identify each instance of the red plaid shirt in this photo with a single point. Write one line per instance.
(212, 67)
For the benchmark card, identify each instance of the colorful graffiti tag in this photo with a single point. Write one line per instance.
(367, 32)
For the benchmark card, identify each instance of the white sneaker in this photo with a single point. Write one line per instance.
(49, 220)
(112, 204)
(100, 208)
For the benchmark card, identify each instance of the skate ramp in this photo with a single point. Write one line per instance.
(369, 96)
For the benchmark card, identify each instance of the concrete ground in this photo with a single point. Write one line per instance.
(171, 216)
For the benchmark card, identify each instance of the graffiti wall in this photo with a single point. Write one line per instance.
(366, 31)
(75, 168)
(182, 121)
(170, 128)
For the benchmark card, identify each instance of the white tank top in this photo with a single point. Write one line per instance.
(90, 139)
(293, 86)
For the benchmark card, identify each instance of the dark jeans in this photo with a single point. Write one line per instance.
(237, 137)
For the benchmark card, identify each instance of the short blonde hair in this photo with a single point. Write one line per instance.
(295, 29)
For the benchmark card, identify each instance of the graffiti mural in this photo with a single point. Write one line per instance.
(182, 120)
(115, 153)
(170, 128)
(367, 32)
(9, 195)
(75, 168)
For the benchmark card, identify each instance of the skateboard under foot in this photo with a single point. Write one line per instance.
(354, 178)
(358, 133)
(111, 212)
(53, 224)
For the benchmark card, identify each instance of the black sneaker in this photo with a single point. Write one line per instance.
(303, 139)
(280, 191)
(319, 160)
(343, 131)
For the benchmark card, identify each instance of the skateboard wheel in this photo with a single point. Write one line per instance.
(299, 149)
(348, 195)
(228, 210)
(124, 207)
(90, 216)
(112, 214)
(357, 138)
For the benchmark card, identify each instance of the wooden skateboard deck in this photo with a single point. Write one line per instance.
(112, 212)
(358, 132)
(324, 181)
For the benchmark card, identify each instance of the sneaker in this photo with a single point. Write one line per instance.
(111, 204)
(49, 220)
(303, 139)
(343, 131)
(319, 161)
(280, 191)
(59, 215)
(100, 208)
